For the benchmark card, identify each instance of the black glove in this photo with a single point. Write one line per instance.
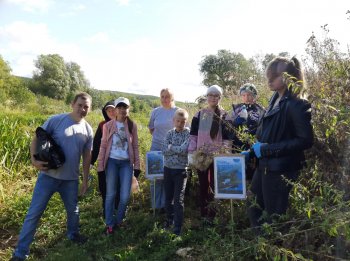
(137, 173)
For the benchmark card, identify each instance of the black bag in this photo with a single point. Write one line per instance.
(48, 150)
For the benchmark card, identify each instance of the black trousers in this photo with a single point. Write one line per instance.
(272, 193)
(102, 188)
(174, 186)
(206, 190)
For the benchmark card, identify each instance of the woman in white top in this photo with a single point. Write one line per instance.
(119, 157)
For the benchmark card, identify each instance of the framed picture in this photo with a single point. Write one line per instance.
(154, 164)
(229, 177)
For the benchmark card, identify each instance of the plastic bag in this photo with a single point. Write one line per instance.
(48, 150)
(135, 185)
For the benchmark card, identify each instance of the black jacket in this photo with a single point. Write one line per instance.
(287, 132)
(98, 134)
(255, 113)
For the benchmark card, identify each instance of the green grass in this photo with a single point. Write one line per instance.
(316, 226)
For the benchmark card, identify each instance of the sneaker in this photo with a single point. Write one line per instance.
(16, 258)
(109, 230)
(79, 239)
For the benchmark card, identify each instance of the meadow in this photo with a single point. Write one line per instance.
(315, 228)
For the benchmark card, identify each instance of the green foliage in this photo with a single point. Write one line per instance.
(78, 82)
(51, 78)
(328, 74)
(5, 79)
(316, 226)
(56, 79)
(15, 136)
(22, 96)
(227, 69)
(13, 91)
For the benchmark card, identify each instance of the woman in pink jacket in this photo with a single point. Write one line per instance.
(119, 158)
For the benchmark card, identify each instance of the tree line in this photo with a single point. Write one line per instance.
(55, 78)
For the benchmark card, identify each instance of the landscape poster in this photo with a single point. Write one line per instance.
(229, 177)
(154, 164)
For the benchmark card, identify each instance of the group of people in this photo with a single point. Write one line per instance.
(282, 132)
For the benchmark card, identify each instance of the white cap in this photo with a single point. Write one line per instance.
(121, 100)
(214, 89)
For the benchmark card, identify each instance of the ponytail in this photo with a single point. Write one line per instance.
(294, 69)
(130, 124)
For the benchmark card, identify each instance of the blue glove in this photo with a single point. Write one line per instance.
(257, 149)
(246, 155)
(238, 121)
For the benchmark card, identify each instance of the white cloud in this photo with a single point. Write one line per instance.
(73, 10)
(141, 66)
(33, 5)
(123, 2)
(21, 43)
(79, 7)
(145, 68)
(100, 37)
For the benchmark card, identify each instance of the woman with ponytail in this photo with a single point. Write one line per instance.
(283, 134)
(206, 132)
(119, 157)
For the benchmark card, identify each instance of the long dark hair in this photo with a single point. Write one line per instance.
(130, 124)
(215, 125)
(292, 69)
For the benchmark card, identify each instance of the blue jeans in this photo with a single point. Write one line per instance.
(45, 187)
(118, 172)
(157, 193)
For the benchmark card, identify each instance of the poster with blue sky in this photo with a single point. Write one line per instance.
(154, 164)
(229, 177)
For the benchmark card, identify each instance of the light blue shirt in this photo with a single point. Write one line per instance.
(161, 122)
(74, 138)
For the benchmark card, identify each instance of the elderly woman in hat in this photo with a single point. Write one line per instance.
(247, 113)
(248, 93)
(207, 132)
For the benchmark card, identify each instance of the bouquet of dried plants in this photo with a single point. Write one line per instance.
(204, 156)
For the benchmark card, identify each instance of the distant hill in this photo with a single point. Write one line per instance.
(127, 94)
(102, 96)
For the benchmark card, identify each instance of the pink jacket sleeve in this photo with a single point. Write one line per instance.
(135, 147)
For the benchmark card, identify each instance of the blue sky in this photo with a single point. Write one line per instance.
(143, 46)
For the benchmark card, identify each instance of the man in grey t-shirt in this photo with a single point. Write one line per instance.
(74, 135)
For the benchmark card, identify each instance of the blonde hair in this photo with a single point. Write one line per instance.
(181, 113)
(171, 94)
